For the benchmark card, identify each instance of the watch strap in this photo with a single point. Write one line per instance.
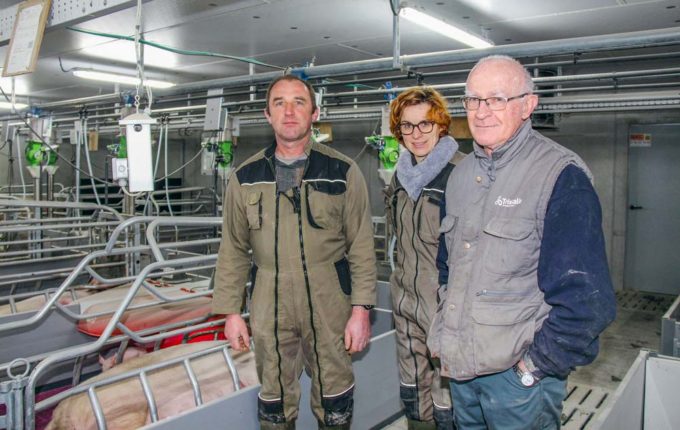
(529, 363)
(526, 378)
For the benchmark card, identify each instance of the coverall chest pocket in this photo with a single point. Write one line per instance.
(325, 203)
(254, 210)
(512, 247)
(428, 221)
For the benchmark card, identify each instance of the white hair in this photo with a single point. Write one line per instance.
(527, 81)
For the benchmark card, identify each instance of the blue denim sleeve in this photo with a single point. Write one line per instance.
(573, 276)
(442, 253)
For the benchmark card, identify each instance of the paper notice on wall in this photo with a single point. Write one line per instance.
(93, 140)
(640, 140)
(26, 39)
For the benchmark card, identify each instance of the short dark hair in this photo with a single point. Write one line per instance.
(292, 78)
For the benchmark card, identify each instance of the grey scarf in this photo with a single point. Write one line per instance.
(414, 177)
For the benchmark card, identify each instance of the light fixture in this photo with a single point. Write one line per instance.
(8, 105)
(121, 79)
(441, 27)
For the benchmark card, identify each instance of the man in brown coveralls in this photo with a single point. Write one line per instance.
(303, 210)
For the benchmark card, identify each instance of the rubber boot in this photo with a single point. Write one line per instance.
(323, 426)
(421, 425)
(268, 425)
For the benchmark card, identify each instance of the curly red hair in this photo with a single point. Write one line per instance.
(438, 113)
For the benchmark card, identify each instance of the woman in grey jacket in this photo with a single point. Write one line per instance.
(420, 120)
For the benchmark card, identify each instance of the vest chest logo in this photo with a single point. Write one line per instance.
(507, 203)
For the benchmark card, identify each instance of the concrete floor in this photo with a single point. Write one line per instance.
(637, 325)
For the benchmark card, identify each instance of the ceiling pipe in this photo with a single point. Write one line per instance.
(82, 100)
(537, 80)
(559, 104)
(638, 39)
(652, 73)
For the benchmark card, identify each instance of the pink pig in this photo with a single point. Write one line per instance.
(124, 404)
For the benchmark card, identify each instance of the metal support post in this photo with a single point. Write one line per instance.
(396, 38)
(12, 395)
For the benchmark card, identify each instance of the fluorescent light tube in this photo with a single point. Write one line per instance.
(441, 27)
(121, 79)
(8, 105)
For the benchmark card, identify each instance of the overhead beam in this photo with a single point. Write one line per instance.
(64, 12)
(638, 39)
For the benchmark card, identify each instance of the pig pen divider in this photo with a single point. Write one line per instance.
(82, 350)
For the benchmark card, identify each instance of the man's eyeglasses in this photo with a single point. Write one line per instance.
(407, 128)
(493, 103)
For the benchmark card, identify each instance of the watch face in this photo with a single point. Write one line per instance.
(528, 379)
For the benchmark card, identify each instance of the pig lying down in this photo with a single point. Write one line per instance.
(124, 404)
(36, 302)
(95, 298)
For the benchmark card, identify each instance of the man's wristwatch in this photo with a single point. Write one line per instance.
(367, 307)
(527, 378)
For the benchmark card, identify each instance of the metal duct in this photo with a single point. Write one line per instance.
(639, 39)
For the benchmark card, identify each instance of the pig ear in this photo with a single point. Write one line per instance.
(106, 363)
(107, 360)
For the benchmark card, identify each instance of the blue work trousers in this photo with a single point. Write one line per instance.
(500, 402)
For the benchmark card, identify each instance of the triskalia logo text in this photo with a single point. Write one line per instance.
(507, 203)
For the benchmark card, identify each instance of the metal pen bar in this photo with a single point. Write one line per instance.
(164, 300)
(232, 368)
(80, 316)
(42, 313)
(86, 386)
(194, 382)
(111, 341)
(50, 250)
(189, 326)
(177, 190)
(61, 356)
(195, 221)
(58, 205)
(96, 409)
(50, 227)
(43, 220)
(48, 274)
(148, 393)
(123, 226)
(32, 262)
(47, 240)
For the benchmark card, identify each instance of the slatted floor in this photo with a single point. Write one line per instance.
(641, 301)
(581, 405)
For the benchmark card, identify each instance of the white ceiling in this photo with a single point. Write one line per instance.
(299, 32)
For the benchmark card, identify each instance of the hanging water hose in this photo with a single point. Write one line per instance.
(83, 132)
(167, 192)
(19, 157)
(176, 50)
(155, 169)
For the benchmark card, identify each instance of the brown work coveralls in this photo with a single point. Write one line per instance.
(414, 284)
(312, 258)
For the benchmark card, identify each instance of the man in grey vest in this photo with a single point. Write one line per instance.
(528, 289)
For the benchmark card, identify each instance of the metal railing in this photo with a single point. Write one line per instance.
(39, 365)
